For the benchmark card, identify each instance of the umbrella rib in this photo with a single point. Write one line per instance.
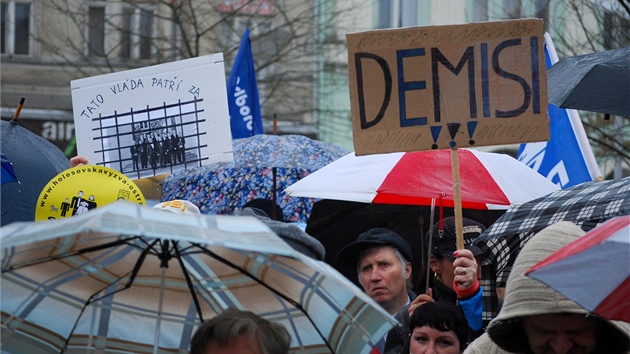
(188, 281)
(70, 254)
(286, 298)
(93, 298)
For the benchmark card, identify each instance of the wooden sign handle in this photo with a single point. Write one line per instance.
(457, 195)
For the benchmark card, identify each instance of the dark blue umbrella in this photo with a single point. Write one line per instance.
(36, 161)
(8, 174)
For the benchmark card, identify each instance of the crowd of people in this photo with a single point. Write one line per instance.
(446, 316)
(534, 319)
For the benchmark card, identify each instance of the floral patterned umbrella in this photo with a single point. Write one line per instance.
(224, 188)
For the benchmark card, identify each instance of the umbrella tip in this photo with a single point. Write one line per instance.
(17, 111)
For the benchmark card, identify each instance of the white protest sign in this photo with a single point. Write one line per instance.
(154, 120)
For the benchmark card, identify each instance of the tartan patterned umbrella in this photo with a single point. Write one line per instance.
(223, 188)
(586, 204)
(126, 278)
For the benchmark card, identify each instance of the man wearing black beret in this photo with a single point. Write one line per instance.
(383, 260)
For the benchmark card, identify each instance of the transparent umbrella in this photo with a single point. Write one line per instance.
(125, 278)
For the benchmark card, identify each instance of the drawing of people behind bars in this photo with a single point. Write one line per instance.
(154, 145)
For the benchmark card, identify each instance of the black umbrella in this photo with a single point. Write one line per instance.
(35, 161)
(337, 223)
(597, 82)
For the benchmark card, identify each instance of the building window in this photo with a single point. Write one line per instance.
(247, 7)
(397, 13)
(328, 33)
(136, 31)
(96, 31)
(479, 10)
(616, 30)
(542, 11)
(146, 34)
(408, 13)
(384, 14)
(126, 28)
(16, 22)
(512, 9)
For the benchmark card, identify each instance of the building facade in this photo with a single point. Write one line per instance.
(47, 44)
(299, 47)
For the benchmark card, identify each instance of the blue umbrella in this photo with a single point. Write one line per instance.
(36, 161)
(8, 174)
(224, 188)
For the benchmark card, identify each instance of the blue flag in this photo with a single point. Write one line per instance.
(567, 158)
(242, 90)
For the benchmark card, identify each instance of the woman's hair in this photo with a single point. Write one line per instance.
(443, 316)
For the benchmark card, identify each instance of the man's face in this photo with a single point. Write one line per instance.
(561, 333)
(445, 270)
(382, 277)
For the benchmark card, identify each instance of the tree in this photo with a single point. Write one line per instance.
(288, 38)
(295, 42)
(578, 27)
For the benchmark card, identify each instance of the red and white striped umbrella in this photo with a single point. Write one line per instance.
(594, 270)
(487, 180)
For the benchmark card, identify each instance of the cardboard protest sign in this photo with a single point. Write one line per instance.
(154, 120)
(439, 87)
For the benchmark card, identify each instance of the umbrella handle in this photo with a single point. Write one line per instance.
(274, 213)
(432, 217)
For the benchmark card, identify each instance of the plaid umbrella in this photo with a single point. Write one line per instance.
(587, 205)
(125, 278)
(223, 188)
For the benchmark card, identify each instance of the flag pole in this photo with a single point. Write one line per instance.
(459, 221)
